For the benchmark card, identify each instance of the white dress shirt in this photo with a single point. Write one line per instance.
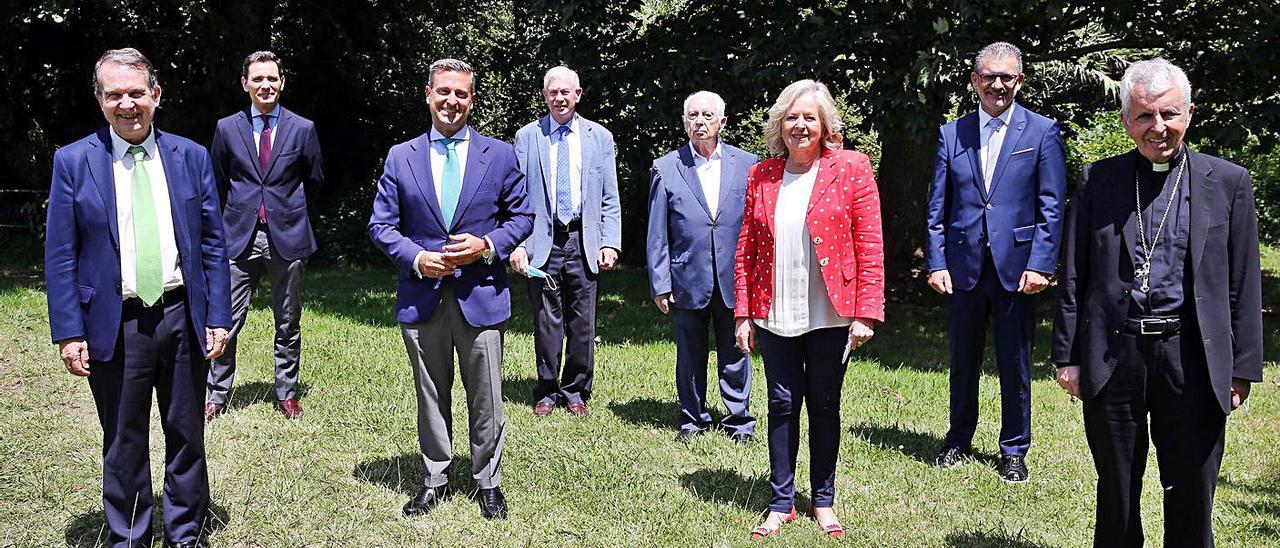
(800, 302)
(122, 168)
(992, 141)
(574, 140)
(708, 171)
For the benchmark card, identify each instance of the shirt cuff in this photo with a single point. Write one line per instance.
(417, 260)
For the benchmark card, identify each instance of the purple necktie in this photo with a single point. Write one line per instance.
(264, 161)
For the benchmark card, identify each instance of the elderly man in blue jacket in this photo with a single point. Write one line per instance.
(696, 196)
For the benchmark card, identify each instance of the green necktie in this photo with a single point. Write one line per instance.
(450, 183)
(150, 279)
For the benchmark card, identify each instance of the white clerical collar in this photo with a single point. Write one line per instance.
(1160, 168)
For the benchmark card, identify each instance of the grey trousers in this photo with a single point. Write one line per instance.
(285, 277)
(431, 346)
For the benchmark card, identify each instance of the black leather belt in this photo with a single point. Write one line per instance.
(1153, 325)
(573, 226)
(172, 295)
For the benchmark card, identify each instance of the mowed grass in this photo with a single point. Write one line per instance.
(339, 476)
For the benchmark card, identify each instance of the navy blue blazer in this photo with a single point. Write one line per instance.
(1020, 218)
(295, 168)
(82, 241)
(688, 251)
(406, 219)
(1224, 272)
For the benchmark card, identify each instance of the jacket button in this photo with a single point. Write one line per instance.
(817, 240)
(989, 206)
(822, 261)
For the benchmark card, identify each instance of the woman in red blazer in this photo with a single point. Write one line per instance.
(809, 280)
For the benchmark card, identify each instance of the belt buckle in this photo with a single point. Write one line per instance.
(1144, 322)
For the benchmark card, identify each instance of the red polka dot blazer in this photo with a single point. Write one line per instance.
(844, 228)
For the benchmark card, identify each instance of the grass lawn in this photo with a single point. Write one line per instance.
(338, 476)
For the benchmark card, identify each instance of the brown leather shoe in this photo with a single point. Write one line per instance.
(579, 409)
(543, 409)
(289, 408)
(212, 410)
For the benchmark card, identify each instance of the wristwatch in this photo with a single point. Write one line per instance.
(487, 253)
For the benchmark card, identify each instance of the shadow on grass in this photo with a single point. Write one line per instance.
(519, 390)
(648, 412)
(89, 530)
(1264, 509)
(724, 486)
(404, 474)
(918, 446)
(991, 539)
(251, 393)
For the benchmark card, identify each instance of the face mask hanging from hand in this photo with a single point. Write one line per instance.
(533, 272)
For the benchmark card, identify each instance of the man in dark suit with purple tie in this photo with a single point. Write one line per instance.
(137, 287)
(450, 209)
(266, 160)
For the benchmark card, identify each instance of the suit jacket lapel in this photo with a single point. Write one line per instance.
(104, 180)
(1198, 186)
(244, 126)
(1012, 139)
(589, 152)
(419, 164)
(690, 176)
(826, 176)
(1129, 231)
(970, 141)
(477, 166)
(279, 136)
(175, 175)
(728, 167)
(544, 156)
(769, 193)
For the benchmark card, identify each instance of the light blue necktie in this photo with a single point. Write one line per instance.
(988, 170)
(564, 196)
(450, 182)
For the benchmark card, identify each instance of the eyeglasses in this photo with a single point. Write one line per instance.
(1006, 79)
(695, 116)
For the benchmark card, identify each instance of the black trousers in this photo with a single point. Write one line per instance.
(157, 350)
(565, 316)
(1165, 378)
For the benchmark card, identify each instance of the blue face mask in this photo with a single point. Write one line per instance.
(533, 272)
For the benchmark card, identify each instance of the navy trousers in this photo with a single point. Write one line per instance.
(733, 367)
(1013, 314)
(796, 369)
(157, 350)
(564, 323)
(1166, 378)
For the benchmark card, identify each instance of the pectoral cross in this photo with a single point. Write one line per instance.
(1144, 274)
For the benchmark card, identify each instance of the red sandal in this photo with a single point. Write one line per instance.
(762, 531)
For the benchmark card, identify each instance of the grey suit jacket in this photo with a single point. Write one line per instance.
(601, 210)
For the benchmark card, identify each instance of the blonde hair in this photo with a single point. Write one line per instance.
(831, 123)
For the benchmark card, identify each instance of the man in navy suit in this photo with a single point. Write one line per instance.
(138, 296)
(265, 159)
(451, 207)
(696, 196)
(995, 215)
(569, 162)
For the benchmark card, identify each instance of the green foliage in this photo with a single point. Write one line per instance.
(1102, 137)
(1263, 164)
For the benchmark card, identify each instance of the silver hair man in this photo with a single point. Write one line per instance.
(128, 57)
(1155, 76)
(998, 50)
(717, 101)
(561, 71)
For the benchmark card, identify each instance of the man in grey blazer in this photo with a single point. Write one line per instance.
(572, 176)
(696, 196)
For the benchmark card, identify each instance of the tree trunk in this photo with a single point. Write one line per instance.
(908, 142)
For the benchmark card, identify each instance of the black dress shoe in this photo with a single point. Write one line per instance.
(1013, 469)
(952, 456)
(188, 544)
(685, 435)
(492, 504)
(742, 438)
(424, 500)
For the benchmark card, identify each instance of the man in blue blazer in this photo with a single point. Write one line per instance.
(569, 162)
(137, 287)
(696, 196)
(995, 215)
(450, 208)
(265, 160)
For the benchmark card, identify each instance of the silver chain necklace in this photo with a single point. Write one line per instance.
(1143, 272)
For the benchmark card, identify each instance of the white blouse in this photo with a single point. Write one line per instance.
(800, 302)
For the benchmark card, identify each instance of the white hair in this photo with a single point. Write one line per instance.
(716, 101)
(561, 71)
(1156, 76)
